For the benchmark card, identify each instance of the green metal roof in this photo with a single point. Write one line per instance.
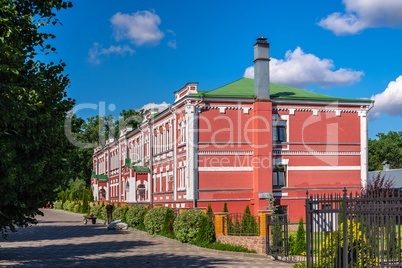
(100, 177)
(244, 88)
(141, 169)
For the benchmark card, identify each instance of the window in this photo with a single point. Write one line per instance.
(281, 210)
(279, 176)
(279, 131)
(141, 192)
(102, 194)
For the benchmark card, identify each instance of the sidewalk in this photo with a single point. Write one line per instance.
(60, 239)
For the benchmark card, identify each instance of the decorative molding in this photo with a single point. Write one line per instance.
(215, 152)
(315, 111)
(315, 168)
(280, 152)
(226, 169)
(222, 110)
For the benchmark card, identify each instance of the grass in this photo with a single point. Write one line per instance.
(226, 247)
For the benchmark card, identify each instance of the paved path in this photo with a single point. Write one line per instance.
(60, 239)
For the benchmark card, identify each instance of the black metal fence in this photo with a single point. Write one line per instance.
(361, 230)
(242, 224)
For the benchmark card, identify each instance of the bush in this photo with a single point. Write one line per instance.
(159, 221)
(119, 213)
(76, 207)
(358, 246)
(299, 247)
(96, 210)
(135, 216)
(187, 225)
(58, 204)
(225, 207)
(66, 204)
(103, 213)
(249, 225)
(206, 232)
(300, 265)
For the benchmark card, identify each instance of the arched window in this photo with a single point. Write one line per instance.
(102, 194)
(127, 188)
(141, 192)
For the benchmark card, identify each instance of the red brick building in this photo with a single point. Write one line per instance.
(237, 144)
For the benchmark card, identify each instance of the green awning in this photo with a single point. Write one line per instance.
(100, 177)
(141, 169)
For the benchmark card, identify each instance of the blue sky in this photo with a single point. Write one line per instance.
(132, 54)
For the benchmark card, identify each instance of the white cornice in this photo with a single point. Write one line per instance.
(226, 152)
(301, 152)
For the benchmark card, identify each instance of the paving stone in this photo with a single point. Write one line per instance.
(60, 239)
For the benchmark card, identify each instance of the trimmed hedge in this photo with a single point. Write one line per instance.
(187, 224)
(119, 213)
(159, 221)
(135, 216)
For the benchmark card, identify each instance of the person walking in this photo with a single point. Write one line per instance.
(109, 211)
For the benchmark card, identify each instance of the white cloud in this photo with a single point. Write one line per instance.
(300, 69)
(161, 106)
(140, 27)
(362, 14)
(97, 51)
(389, 101)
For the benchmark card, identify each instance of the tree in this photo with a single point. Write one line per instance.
(33, 106)
(387, 147)
(300, 242)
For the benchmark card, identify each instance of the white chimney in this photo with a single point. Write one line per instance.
(261, 68)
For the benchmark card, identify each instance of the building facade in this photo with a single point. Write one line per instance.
(239, 144)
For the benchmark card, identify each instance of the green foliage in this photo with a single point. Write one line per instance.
(159, 221)
(77, 188)
(299, 247)
(103, 213)
(135, 216)
(249, 225)
(206, 232)
(228, 247)
(187, 225)
(277, 234)
(119, 213)
(58, 205)
(291, 244)
(33, 106)
(210, 212)
(97, 210)
(300, 265)
(385, 147)
(78, 193)
(359, 247)
(225, 207)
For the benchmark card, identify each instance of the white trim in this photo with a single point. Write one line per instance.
(280, 161)
(225, 169)
(363, 147)
(323, 168)
(280, 194)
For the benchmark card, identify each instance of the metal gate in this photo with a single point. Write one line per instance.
(277, 235)
(354, 231)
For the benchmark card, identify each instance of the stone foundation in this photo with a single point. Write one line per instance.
(256, 243)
